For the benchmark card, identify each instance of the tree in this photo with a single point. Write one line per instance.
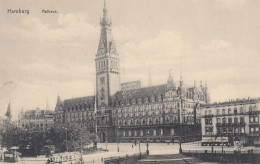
(31, 140)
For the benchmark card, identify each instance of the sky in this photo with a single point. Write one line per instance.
(43, 55)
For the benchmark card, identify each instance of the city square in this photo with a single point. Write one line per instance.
(130, 149)
(181, 89)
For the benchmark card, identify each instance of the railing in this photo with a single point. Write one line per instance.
(133, 157)
(244, 156)
(207, 116)
(253, 112)
(220, 152)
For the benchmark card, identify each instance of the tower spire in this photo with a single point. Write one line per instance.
(170, 82)
(105, 9)
(58, 100)
(107, 63)
(8, 113)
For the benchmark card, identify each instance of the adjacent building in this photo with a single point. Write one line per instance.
(232, 120)
(127, 111)
(37, 119)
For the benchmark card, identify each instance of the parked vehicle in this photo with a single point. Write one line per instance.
(65, 158)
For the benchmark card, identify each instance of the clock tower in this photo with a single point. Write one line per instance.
(107, 64)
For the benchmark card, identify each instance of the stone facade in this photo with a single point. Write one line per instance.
(159, 113)
(233, 119)
(38, 119)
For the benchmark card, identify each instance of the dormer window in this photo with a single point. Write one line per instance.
(139, 100)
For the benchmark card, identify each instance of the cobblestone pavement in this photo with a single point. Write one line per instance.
(129, 149)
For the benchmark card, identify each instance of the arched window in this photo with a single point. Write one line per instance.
(217, 111)
(250, 109)
(241, 110)
(229, 110)
(235, 110)
(223, 111)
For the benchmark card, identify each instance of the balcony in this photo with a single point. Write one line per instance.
(207, 116)
(254, 112)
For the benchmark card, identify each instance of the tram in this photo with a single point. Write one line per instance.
(65, 158)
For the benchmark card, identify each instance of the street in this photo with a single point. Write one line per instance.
(129, 149)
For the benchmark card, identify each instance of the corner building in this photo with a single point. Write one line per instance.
(161, 113)
(227, 121)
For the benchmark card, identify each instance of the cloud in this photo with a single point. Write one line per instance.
(162, 52)
(69, 27)
(216, 45)
(232, 4)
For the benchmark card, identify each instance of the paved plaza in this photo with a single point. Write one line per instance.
(130, 149)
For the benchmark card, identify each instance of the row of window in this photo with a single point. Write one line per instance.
(230, 120)
(70, 115)
(254, 129)
(36, 125)
(78, 108)
(230, 111)
(150, 132)
(172, 107)
(230, 130)
(254, 119)
(103, 63)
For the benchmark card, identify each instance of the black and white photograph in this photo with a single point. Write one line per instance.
(129, 81)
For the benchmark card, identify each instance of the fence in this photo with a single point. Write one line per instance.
(127, 159)
(252, 151)
(225, 156)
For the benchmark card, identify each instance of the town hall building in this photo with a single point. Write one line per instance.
(128, 112)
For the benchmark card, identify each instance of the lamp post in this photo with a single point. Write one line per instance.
(211, 143)
(81, 151)
(222, 148)
(118, 139)
(180, 149)
(147, 144)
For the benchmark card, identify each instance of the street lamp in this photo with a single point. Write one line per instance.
(147, 144)
(211, 143)
(118, 139)
(222, 148)
(180, 149)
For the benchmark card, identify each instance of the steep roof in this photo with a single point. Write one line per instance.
(80, 101)
(143, 93)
